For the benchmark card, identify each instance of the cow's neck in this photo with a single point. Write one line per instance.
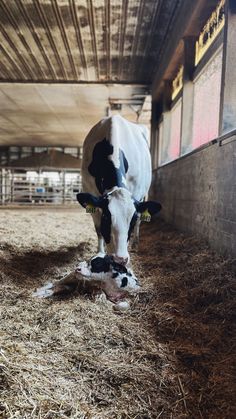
(115, 179)
(108, 166)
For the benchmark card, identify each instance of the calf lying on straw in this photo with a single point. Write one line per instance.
(100, 274)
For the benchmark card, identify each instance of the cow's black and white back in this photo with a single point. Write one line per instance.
(117, 145)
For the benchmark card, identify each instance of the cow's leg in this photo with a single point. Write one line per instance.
(135, 236)
(97, 223)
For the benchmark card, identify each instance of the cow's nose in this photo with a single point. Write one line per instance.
(121, 260)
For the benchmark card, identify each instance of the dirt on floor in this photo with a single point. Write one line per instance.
(171, 356)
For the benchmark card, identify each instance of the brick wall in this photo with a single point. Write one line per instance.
(198, 194)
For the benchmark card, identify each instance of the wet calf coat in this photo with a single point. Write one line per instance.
(101, 273)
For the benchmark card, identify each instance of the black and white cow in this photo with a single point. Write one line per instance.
(116, 176)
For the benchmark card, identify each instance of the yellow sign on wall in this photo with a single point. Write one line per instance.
(177, 83)
(210, 31)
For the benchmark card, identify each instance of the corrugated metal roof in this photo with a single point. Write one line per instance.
(83, 40)
(65, 64)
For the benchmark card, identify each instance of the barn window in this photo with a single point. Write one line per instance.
(162, 149)
(206, 102)
(170, 127)
(40, 149)
(3, 155)
(26, 151)
(175, 131)
(207, 83)
(14, 153)
(170, 134)
(154, 147)
(71, 150)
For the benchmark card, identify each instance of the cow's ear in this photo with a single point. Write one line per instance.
(88, 200)
(148, 207)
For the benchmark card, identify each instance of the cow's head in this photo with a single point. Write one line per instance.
(119, 213)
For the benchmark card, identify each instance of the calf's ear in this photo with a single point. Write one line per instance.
(88, 200)
(151, 206)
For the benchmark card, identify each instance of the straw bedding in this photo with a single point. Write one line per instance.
(170, 356)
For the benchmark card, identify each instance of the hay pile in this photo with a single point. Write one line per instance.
(171, 356)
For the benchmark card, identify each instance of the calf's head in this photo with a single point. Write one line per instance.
(119, 213)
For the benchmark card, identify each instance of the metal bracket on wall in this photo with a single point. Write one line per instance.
(227, 138)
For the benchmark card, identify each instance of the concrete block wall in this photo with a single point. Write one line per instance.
(198, 194)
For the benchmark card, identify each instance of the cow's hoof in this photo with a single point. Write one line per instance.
(121, 307)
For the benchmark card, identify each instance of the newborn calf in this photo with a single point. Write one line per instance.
(102, 273)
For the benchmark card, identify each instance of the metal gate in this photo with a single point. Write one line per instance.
(39, 188)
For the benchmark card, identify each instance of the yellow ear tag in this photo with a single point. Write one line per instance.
(146, 216)
(90, 209)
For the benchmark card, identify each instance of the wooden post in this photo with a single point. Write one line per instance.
(64, 187)
(228, 93)
(157, 108)
(12, 186)
(166, 114)
(187, 97)
(2, 186)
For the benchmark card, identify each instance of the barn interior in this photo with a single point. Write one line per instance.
(167, 64)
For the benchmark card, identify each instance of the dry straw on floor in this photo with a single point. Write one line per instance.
(171, 356)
